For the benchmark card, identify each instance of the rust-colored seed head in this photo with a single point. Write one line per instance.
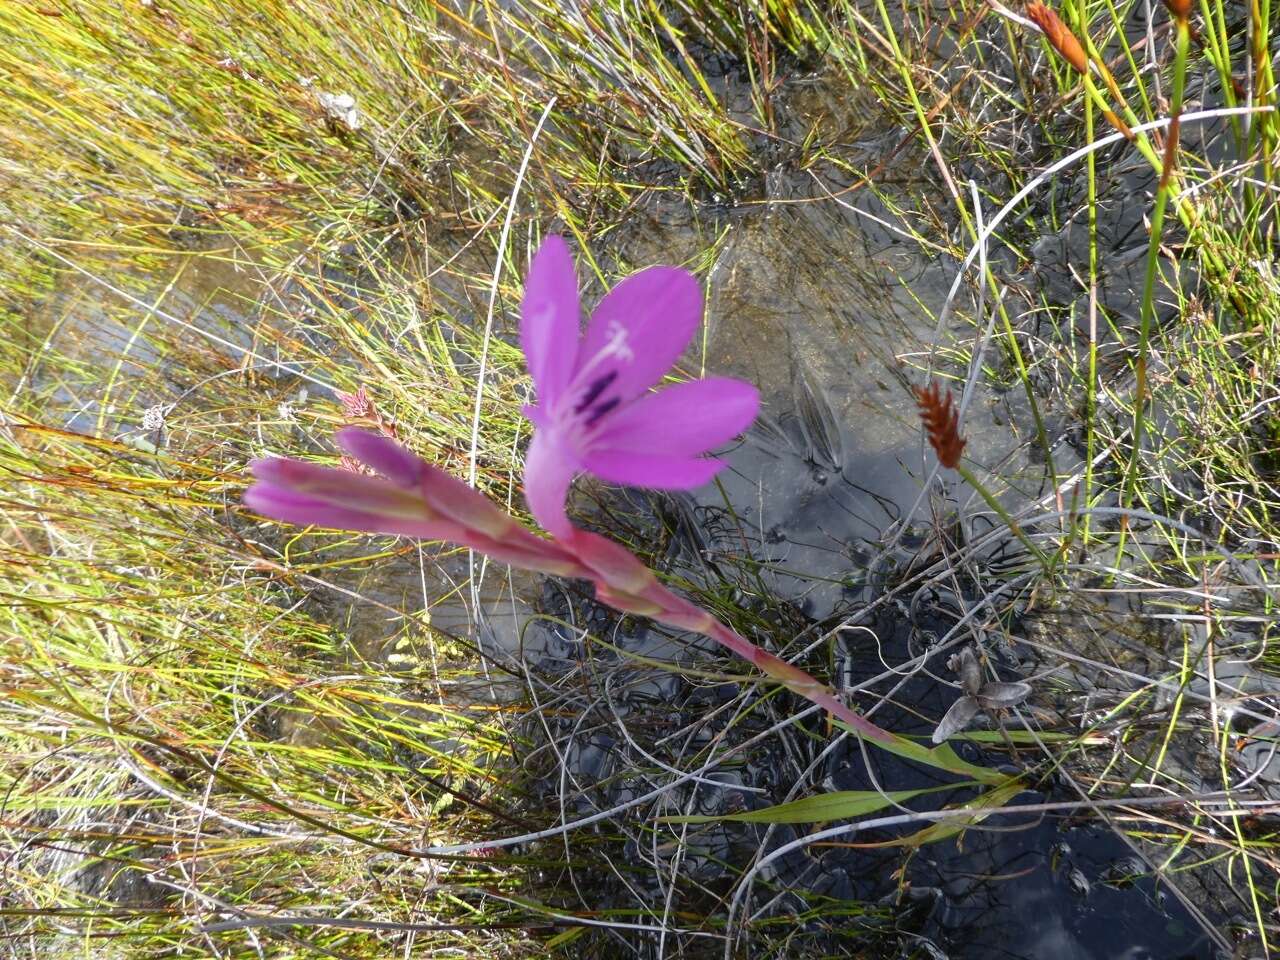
(1062, 39)
(941, 423)
(1179, 8)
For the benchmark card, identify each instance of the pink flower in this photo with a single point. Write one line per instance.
(396, 493)
(595, 413)
(410, 498)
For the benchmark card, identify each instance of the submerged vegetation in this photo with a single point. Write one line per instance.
(234, 227)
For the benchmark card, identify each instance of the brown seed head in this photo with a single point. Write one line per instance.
(1062, 39)
(1181, 9)
(941, 424)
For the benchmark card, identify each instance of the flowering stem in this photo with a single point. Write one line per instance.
(1182, 42)
(1004, 515)
(682, 614)
(797, 681)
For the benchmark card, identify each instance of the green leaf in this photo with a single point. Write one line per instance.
(943, 829)
(839, 805)
(942, 757)
(561, 939)
(1023, 736)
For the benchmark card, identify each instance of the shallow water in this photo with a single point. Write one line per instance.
(97, 348)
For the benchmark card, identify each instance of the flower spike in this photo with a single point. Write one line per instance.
(412, 498)
(942, 424)
(1058, 35)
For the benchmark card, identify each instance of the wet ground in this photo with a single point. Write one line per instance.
(822, 513)
(824, 498)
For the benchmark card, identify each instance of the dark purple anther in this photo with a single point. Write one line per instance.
(598, 386)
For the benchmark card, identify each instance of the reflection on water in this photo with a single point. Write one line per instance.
(98, 357)
(1051, 890)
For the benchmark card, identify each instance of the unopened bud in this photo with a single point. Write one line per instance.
(1062, 39)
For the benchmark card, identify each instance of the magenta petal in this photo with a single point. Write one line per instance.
(450, 497)
(549, 319)
(383, 454)
(289, 506)
(548, 471)
(658, 311)
(609, 562)
(519, 548)
(684, 420)
(443, 493)
(283, 504)
(654, 470)
(341, 488)
(535, 414)
(532, 553)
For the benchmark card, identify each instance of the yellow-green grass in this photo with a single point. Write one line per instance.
(187, 731)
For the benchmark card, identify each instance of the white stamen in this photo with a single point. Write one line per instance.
(617, 345)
